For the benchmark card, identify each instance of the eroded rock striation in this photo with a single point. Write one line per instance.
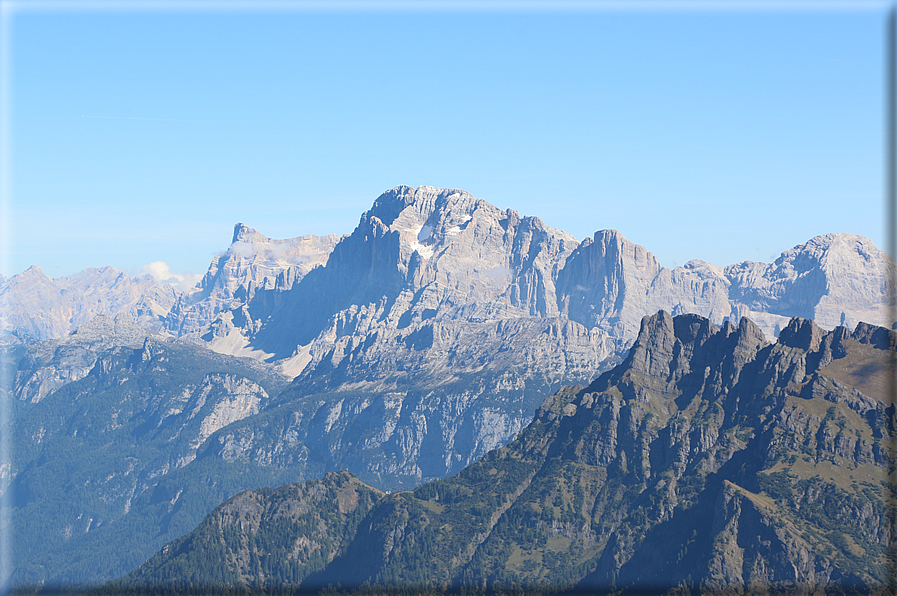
(252, 262)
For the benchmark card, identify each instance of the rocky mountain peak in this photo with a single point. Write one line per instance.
(33, 272)
(749, 334)
(49, 365)
(243, 233)
(801, 333)
(834, 279)
(602, 282)
(877, 337)
(613, 244)
(423, 201)
(419, 252)
(252, 262)
(829, 246)
(664, 342)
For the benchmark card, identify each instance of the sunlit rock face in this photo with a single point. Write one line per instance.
(836, 279)
(417, 255)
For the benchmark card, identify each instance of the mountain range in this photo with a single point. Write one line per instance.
(708, 461)
(403, 352)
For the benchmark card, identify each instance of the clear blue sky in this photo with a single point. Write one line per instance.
(726, 135)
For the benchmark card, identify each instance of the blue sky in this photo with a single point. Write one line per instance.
(142, 133)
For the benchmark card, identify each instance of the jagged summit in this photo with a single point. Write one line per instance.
(243, 233)
(251, 263)
(424, 200)
(441, 254)
(32, 271)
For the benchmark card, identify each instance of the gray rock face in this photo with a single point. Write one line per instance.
(612, 283)
(441, 299)
(418, 255)
(253, 262)
(438, 353)
(396, 420)
(47, 366)
(43, 308)
(835, 279)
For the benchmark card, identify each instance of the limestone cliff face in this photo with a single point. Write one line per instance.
(440, 298)
(42, 308)
(426, 255)
(437, 402)
(416, 255)
(253, 262)
(611, 283)
(835, 279)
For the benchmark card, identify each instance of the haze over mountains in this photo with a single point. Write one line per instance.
(403, 352)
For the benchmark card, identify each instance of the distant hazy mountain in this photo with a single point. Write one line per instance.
(41, 308)
(709, 461)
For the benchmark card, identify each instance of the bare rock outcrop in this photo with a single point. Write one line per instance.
(835, 279)
(253, 262)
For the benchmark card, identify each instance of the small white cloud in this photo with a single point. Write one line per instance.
(246, 250)
(162, 273)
